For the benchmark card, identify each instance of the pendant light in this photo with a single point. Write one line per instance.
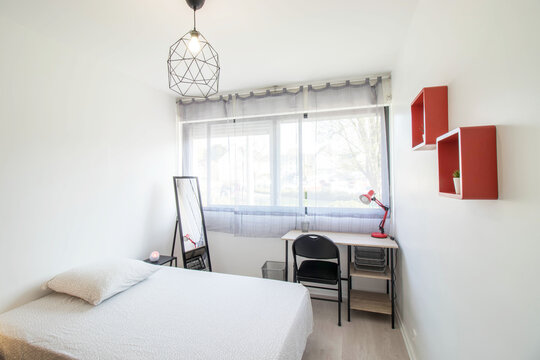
(193, 63)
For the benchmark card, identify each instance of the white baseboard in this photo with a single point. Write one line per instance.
(406, 337)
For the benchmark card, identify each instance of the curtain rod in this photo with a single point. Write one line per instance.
(290, 87)
(234, 118)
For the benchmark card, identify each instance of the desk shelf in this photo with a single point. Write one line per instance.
(370, 301)
(370, 274)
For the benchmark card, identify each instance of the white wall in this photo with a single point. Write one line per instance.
(469, 269)
(86, 160)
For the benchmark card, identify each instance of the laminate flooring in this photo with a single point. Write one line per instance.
(368, 336)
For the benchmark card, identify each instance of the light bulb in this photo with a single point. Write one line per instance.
(364, 199)
(194, 44)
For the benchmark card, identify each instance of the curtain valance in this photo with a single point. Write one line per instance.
(303, 99)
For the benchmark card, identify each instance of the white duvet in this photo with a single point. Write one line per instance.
(174, 314)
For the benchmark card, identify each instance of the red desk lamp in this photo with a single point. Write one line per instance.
(367, 199)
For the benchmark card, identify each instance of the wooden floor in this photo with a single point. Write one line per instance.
(367, 336)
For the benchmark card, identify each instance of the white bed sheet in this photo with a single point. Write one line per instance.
(174, 314)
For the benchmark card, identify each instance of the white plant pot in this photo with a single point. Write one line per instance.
(457, 185)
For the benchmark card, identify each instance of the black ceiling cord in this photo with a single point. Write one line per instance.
(195, 5)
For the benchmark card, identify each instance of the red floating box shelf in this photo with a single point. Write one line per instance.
(429, 115)
(472, 150)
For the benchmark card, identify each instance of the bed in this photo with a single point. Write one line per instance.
(174, 314)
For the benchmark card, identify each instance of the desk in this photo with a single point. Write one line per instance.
(358, 300)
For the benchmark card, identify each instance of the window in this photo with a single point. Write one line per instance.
(331, 157)
(264, 160)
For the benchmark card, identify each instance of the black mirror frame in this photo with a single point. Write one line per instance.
(179, 220)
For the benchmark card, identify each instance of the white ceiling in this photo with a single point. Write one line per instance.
(260, 42)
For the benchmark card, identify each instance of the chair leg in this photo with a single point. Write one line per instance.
(339, 314)
(339, 302)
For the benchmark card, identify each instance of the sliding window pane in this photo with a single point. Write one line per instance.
(221, 175)
(196, 159)
(342, 158)
(257, 171)
(289, 177)
(240, 164)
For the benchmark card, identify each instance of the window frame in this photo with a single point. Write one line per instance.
(275, 169)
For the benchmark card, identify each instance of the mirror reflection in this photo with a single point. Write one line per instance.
(191, 225)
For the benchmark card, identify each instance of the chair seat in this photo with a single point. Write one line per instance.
(324, 272)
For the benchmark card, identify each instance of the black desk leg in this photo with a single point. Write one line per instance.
(387, 262)
(286, 260)
(349, 283)
(392, 284)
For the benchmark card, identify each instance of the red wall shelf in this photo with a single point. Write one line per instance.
(429, 114)
(472, 150)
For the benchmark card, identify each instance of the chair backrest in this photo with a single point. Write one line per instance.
(315, 247)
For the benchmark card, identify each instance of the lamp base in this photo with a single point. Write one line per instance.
(379, 235)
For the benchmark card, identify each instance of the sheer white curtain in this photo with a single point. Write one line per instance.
(265, 161)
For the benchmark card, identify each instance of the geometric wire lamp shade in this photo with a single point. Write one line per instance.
(193, 71)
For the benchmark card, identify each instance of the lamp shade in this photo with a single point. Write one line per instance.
(366, 198)
(193, 66)
(193, 63)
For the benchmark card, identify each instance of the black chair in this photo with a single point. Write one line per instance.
(318, 247)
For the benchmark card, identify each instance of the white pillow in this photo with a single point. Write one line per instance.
(99, 281)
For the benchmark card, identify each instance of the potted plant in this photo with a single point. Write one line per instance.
(457, 181)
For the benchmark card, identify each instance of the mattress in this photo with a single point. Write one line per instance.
(174, 314)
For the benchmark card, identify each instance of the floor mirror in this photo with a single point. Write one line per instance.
(190, 223)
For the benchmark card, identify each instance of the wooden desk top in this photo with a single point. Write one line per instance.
(341, 238)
